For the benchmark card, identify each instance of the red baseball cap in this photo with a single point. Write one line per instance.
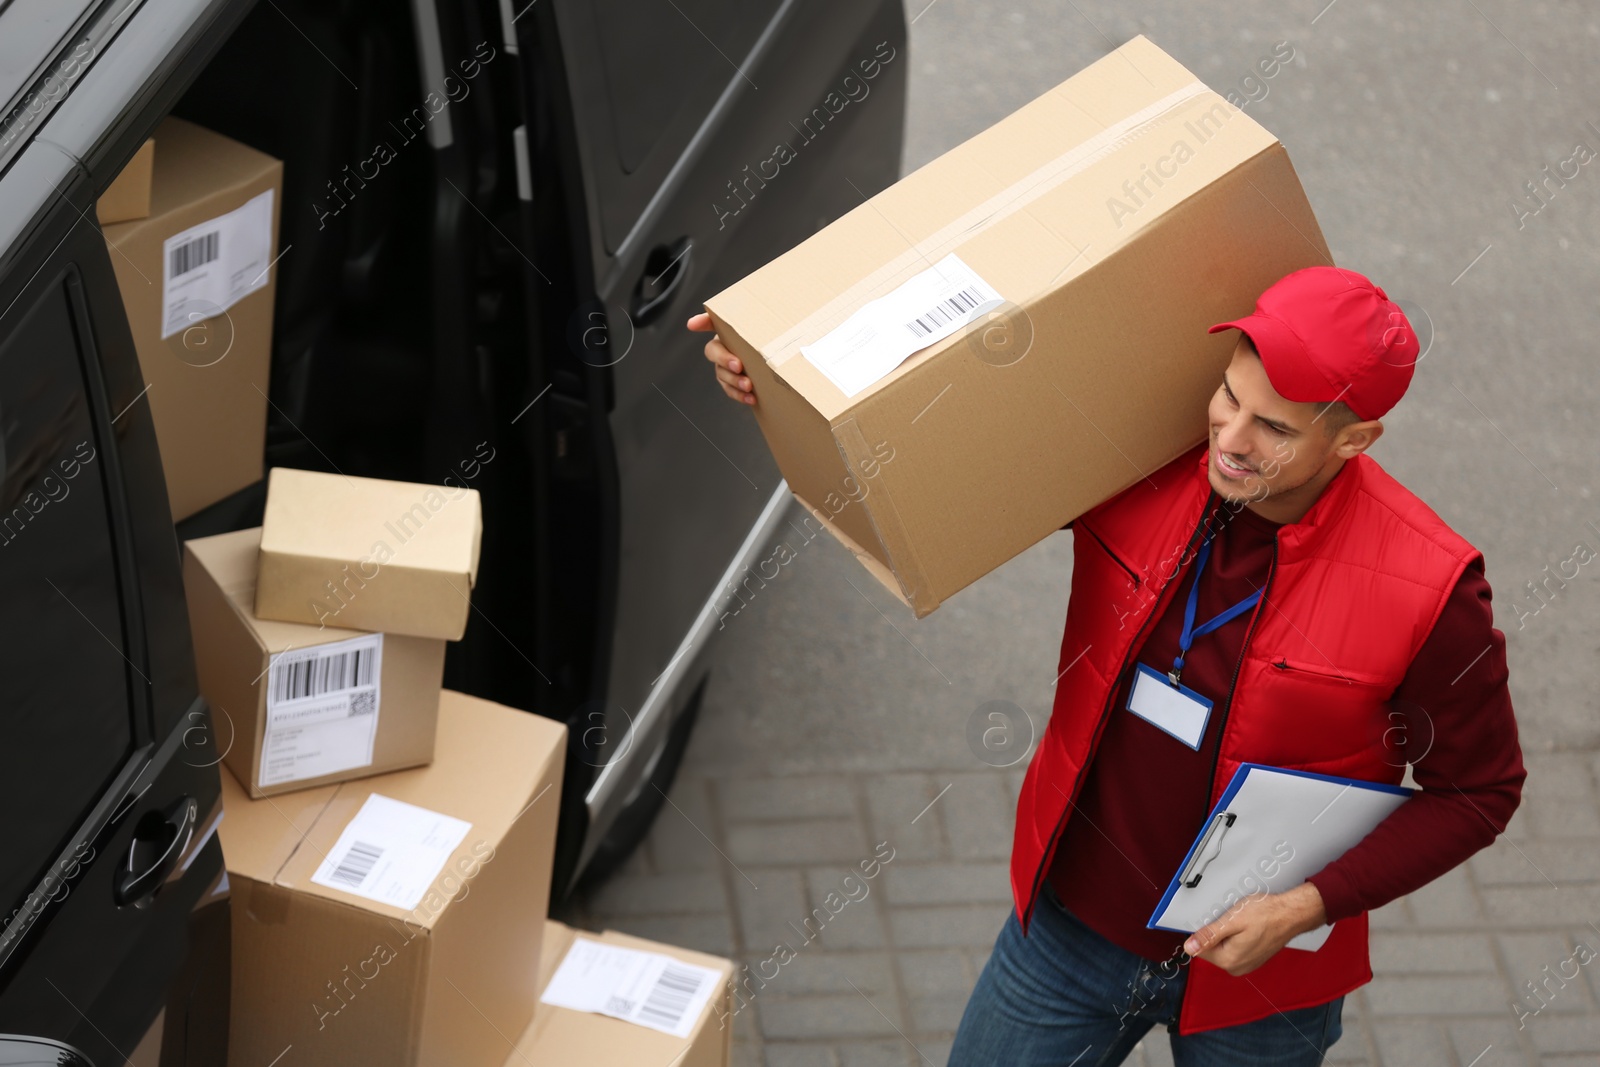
(1326, 334)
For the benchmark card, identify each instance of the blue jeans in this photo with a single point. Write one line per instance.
(1066, 997)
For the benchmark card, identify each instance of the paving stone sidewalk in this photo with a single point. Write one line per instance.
(738, 863)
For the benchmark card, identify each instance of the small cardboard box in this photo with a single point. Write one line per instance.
(197, 283)
(298, 705)
(1117, 217)
(347, 979)
(561, 1036)
(400, 557)
(128, 195)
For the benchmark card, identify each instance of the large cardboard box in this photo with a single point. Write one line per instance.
(1117, 217)
(197, 282)
(559, 1036)
(400, 557)
(444, 982)
(297, 705)
(128, 195)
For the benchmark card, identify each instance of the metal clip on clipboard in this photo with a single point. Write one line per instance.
(1210, 845)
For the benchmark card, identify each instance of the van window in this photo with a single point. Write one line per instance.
(662, 67)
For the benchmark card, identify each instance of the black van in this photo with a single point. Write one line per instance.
(516, 279)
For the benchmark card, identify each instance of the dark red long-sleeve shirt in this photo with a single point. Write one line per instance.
(1147, 793)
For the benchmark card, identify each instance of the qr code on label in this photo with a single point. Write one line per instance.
(363, 703)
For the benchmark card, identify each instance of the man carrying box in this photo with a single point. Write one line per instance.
(1317, 616)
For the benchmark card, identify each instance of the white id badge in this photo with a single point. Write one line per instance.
(1179, 711)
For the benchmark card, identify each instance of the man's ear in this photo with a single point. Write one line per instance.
(1356, 438)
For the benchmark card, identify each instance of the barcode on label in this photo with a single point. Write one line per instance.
(669, 998)
(196, 252)
(364, 702)
(945, 312)
(357, 864)
(313, 677)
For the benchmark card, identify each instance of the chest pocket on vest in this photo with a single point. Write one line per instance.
(1108, 602)
(1308, 714)
(1103, 583)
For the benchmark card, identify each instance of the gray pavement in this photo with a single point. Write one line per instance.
(834, 721)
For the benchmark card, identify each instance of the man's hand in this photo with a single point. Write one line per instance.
(1253, 930)
(730, 372)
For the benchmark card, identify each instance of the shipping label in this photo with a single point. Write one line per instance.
(884, 333)
(391, 852)
(211, 266)
(322, 709)
(648, 988)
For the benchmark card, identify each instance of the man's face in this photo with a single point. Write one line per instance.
(1261, 444)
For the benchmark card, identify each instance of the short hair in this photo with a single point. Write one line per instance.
(1336, 416)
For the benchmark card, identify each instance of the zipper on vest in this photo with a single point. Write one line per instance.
(1105, 713)
(1227, 704)
(1330, 672)
(1222, 722)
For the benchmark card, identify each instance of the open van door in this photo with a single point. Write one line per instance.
(690, 143)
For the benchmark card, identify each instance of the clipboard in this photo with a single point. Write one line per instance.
(1271, 830)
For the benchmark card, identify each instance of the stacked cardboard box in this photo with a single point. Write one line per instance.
(371, 554)
(193, 257)
(398, 919)
(298, 705)
(128, 196)
(689, 1018)
(319, 646)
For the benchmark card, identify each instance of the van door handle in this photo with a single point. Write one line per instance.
(159, 841)
(664, 271)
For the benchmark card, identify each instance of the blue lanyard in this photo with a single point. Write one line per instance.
(1190, 630)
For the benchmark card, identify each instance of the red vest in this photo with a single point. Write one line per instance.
(1353, 590)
